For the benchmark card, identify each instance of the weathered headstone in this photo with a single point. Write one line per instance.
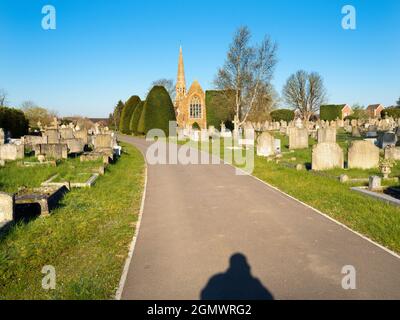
(11, 151)
(31, 141)
(265, 145)
(374, 183)
(2, 136)
(74, 145)
(278, 148)
(6, 207)
(387, 139)
(82, 135)
(363, 155)
(54, 150)
(298, 138)
(327, 155)
(327, 134)
(355, 132)
(66, 133)
(103, 141)
(53, 136)
(392, 153)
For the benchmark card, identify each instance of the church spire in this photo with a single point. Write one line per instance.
(180, 81)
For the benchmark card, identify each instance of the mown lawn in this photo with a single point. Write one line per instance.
(373, 218)
(86, 239)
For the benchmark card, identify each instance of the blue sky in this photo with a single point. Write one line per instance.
(103, 51)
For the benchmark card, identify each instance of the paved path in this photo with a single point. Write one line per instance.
(208, 233)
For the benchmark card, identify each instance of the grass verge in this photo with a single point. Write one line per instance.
(86, 239)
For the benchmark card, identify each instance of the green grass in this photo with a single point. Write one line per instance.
(13, 176)
(86, 239)
(373, 218)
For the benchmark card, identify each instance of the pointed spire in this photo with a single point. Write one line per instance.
(180, 82)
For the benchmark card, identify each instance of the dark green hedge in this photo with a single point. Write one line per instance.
(331, 112)
(394, 113)
(158, 110)
(133, 126)
(126, 114)
(13, 121)
(220, 107)
(282, 114)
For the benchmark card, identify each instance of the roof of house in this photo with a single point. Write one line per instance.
(374, 106)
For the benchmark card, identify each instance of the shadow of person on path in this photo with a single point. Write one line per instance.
(236, 283)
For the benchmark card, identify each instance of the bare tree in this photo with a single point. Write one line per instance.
(398, 103)
(267, 100)
(304, 92)
(36, 114)
(3, 98)
(168, 84)
(246, 71)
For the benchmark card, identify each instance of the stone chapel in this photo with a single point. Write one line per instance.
(190, 106)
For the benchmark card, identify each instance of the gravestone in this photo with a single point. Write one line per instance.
(298, 123)
(31, 141)
(355, 132)
(298, 138)
(53, 136)
(103, 141)
(392, 153)
(265, 145)
(2, 136)
(374, 183)
(52, 150)
(327, 134)
(6, 207)
(387, 139)
(278, 148)
(74, 145)
(11, 152)
(363, 155)
(66, 133)
(327, 155)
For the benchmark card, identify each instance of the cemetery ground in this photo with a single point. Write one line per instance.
(85, 238)
(323, 191)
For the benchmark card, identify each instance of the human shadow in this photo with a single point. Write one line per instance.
(236, 283)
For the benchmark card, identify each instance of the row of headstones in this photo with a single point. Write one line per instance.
(326, 154)
(329, 155)
(56, 144)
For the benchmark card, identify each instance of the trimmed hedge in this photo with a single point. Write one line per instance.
(220, 107)
(126, 114)
(13, 121)
(282, 114)
(394, 113)
(331, 112)
(133, 126)
(158, 110)
(117, 114)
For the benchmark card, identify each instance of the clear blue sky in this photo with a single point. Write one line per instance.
(103, 51)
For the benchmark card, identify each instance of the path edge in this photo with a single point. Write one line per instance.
(118, 294)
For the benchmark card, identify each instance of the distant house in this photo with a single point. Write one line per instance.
(374, 110)
(334, 111)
